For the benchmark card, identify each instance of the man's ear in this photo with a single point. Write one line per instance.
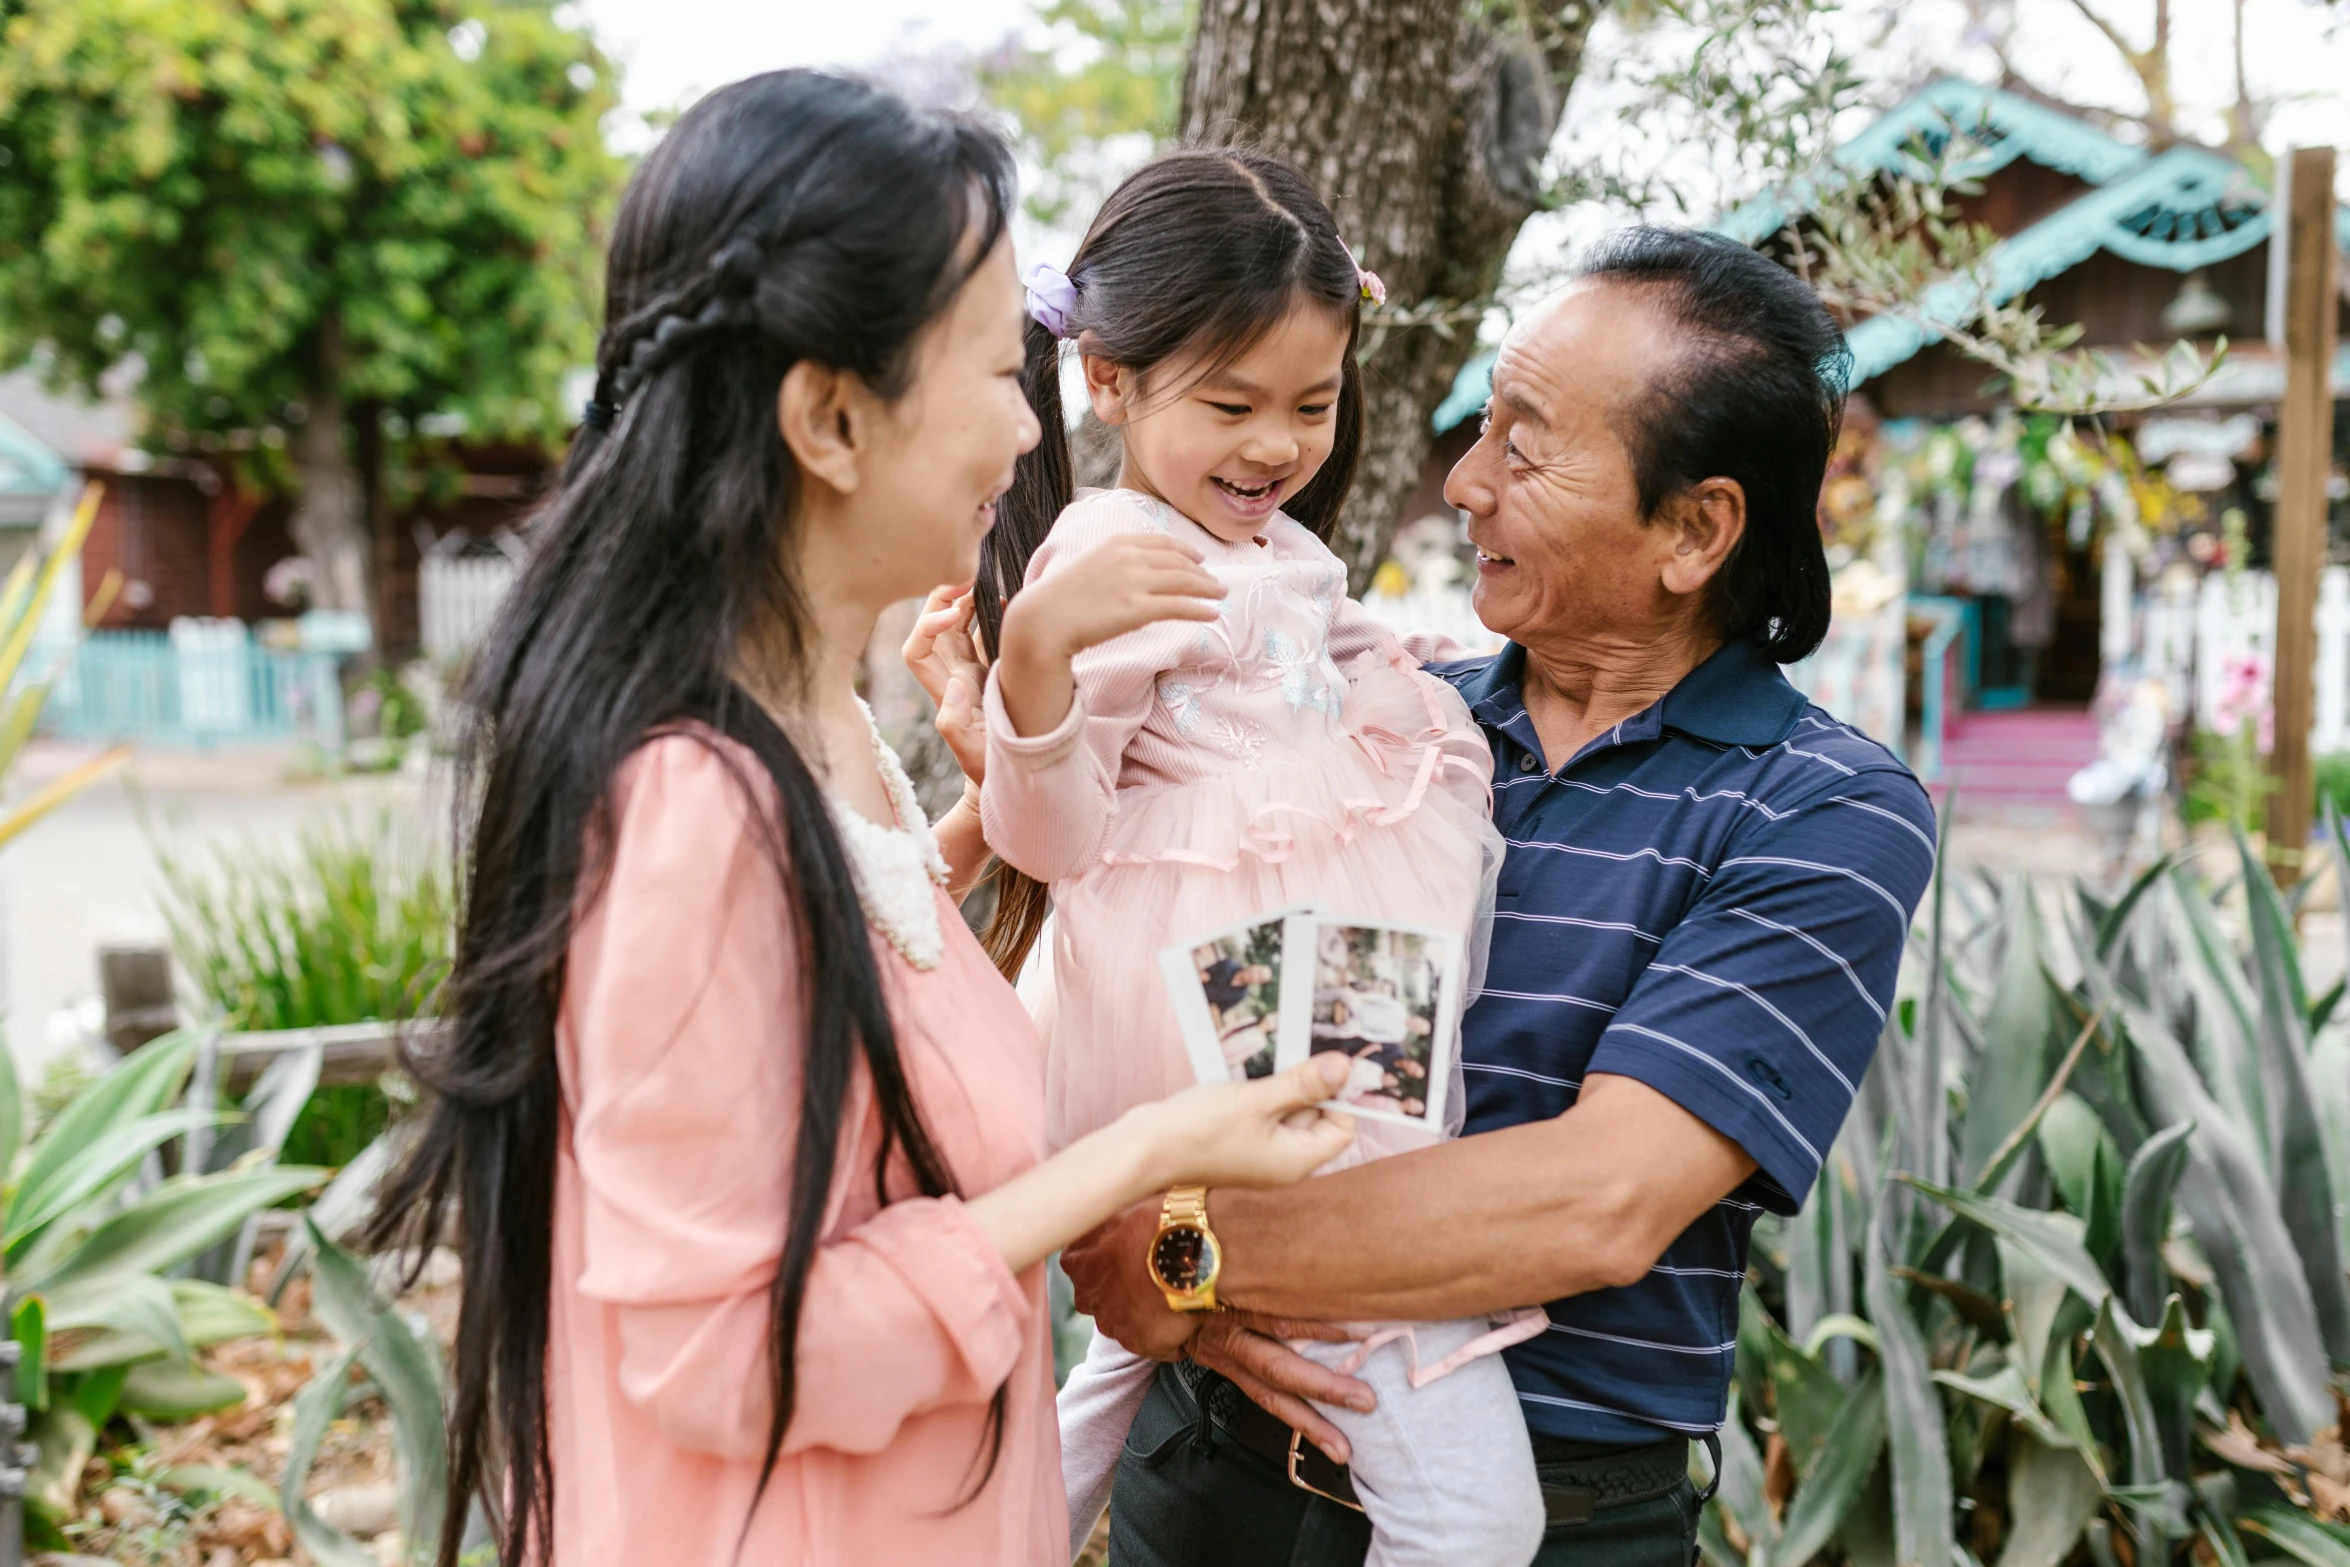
(1108, 387)
(1708, 519)
(821, 414)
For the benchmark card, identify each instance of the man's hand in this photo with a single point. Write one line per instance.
(1109, 1267)
(1248, 1349)
(1110, 1271)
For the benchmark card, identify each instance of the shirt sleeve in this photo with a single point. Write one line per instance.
(1048, 800)
(1763, 1006)
(685, 1010)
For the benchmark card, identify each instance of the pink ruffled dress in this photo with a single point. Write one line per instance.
(1289, 752)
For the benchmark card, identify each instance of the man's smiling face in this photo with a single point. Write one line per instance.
(1550, 492)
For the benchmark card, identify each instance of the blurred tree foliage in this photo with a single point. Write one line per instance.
(1107, 69)
(308, 231)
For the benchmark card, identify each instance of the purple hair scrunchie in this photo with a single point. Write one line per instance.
(1052, 298)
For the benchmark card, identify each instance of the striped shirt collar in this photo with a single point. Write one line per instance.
(1738, 696)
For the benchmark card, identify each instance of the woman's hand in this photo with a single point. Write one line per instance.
(1272, 1132)
(944, 657)
(1122, 584)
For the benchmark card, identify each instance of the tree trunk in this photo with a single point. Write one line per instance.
(1423, 124)
(330, 521)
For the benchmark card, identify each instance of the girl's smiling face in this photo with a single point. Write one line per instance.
(1226, 444)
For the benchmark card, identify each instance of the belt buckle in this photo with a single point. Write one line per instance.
(1296, 1447)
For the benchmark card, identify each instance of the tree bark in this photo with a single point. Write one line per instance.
(1423, 124)
(329, 524)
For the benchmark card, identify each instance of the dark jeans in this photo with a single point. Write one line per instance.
(1179, 1501)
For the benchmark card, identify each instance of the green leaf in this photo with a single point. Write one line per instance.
(2148, 1387)
(2152, 1177)
(92, 1172)
(159, 1390)
(1806, 1399)
(198, 1480)
(2060, 1395)
(2238, 1223)
(2054, 1240)
(1841, 1324)
(64, 1437)
(1922, 1498)
(2298, 1535)
(1740, 1491)
(137, 1307)
(178, 1220)
(11, 1116)
(2034, 1297)
(2021, 1036)
(2052, 1493)
(405, 1362)
(315, 1408)
(2117, 919)
(29, 1326)
(1847, 1457)
(2006, 1389)
(2305, 1187)
(2087, 1168)
(140, 1085)
(208, 1314)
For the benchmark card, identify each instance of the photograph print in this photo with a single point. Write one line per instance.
(1384, 995)
(1227, 990)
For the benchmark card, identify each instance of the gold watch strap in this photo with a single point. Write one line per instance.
(1184, 1205)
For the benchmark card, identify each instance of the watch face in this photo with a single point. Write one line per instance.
(1182, 1257)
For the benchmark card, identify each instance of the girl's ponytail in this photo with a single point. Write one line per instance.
(1043, 483)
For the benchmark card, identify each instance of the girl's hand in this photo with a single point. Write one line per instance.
(944, 657)
(1272, 1132)
(1120, 585)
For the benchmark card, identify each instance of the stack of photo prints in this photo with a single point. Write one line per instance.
(1262, 996)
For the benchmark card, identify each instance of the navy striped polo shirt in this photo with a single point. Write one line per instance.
(1712, 898)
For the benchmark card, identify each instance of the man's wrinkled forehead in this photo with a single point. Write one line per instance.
(1589, 340)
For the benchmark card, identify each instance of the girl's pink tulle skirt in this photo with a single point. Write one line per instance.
(1388, 820)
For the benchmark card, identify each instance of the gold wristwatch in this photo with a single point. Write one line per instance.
(1185, 1258)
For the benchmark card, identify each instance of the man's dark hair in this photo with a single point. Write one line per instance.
(1756, 395)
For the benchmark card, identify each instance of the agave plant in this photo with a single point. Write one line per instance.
(2072, 1280)
(98, 1253)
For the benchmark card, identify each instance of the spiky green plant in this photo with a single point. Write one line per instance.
(2071, 1284)
(352, 925)
(95, 1252)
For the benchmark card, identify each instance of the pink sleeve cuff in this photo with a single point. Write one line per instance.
(1030, 752)
(954, 1270)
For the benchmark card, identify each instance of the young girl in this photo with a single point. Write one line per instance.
(1261, 743)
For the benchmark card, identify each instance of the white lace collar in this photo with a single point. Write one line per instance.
(896, 867)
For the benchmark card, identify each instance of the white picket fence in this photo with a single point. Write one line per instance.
(456, 598)
(2199, 636)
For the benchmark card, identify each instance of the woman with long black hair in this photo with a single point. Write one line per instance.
(738, 1129)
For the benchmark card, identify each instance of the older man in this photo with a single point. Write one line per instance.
(1700, 916)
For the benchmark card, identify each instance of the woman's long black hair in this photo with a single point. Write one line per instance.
(1197, 255)
(794, 216)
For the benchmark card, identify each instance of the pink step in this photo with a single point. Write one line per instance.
(2016, 764)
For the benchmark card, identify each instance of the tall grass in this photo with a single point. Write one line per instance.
(350, 925)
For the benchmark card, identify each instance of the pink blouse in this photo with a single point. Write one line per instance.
(679, 1055)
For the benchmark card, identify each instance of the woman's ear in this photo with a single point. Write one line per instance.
(1107, 387)
(820, 412)
(1708, 519)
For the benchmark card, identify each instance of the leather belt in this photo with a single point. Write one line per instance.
(1572, 1489)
